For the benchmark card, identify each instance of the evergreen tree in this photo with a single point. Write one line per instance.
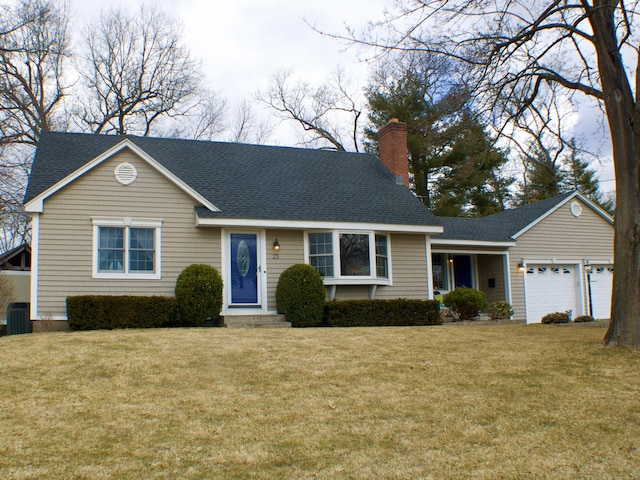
(546, 177)
(455, 169)
(578, 176)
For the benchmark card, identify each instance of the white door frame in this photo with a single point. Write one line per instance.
(261, 258)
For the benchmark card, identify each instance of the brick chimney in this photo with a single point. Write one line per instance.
(392, 141)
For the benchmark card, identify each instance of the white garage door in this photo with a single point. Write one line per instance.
(550, 288)
(601, 284)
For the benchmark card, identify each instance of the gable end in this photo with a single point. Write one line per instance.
(36, 205)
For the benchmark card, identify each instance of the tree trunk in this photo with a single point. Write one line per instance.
(624, 125)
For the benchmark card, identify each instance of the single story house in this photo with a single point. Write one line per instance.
(124, 215)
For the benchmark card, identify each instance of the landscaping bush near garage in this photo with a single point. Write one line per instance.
(500, 311)
(382, 313)
(106, 312)
(556, 317)
(584, 319)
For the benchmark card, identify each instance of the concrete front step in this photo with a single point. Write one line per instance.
(255, 321)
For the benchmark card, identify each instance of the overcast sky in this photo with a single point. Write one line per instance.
(243, 42)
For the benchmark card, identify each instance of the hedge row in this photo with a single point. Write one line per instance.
(105, 312)
(382, 313)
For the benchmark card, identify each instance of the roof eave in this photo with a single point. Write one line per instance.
(316, 225)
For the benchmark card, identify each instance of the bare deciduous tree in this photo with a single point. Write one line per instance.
(33, 53)
(136, 71)
(518, 49)
(246, 127)
(202, 120)
(320, 111)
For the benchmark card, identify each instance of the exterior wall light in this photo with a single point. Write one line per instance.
(521, 265)
(276, 245)
(451, 259)
(587, 266)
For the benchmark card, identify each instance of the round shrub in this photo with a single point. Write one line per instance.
(556, 317)
(300, 295)
(466, 302)
(500, 310)
(584, 319)
(199, 294)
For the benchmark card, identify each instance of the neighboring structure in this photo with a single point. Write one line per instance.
(15, 264)
(124, 215)
(553, 255)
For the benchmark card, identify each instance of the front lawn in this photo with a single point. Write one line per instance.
(361, 403)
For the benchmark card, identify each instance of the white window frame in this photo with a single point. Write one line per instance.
(338, 278)
(127, 223)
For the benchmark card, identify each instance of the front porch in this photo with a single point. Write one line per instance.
(485, 270)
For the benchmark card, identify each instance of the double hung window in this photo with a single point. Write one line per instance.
(126, 248)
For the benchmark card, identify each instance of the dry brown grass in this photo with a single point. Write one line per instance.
(396, 403)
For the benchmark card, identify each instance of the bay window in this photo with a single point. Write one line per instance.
(349, 257)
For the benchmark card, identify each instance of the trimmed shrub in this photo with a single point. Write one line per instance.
(466, 302)
(300, 295)
(584, 319)
(556, 317)
(107, 312)
(382, 313)
(500, 310)
(199, 294)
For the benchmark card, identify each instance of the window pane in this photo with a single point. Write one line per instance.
(321, 253)
(439, 265)
(354, 255)
(141, 250)
(111, 237)
(323, 264)
(110, 249)
(382, 266)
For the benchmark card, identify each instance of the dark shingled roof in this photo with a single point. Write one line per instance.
(500, 227)
(251, 181)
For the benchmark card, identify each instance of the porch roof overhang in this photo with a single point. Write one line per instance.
(442, 243)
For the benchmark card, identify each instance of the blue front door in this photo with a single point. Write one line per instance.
(462, 271)
(244, 269)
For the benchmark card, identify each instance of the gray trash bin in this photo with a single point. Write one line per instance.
(18, 319)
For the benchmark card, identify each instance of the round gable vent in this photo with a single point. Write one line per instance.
(576, 209)
(126, 173)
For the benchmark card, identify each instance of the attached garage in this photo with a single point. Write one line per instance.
(601, 283)
(551, 288)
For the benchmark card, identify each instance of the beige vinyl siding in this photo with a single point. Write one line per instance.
(491, 267)
(563, 237)
(408, 262)
(409, 268)
(352, 292)
(66, 233)
(291, 253)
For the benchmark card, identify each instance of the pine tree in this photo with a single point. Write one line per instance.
(454, 167)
